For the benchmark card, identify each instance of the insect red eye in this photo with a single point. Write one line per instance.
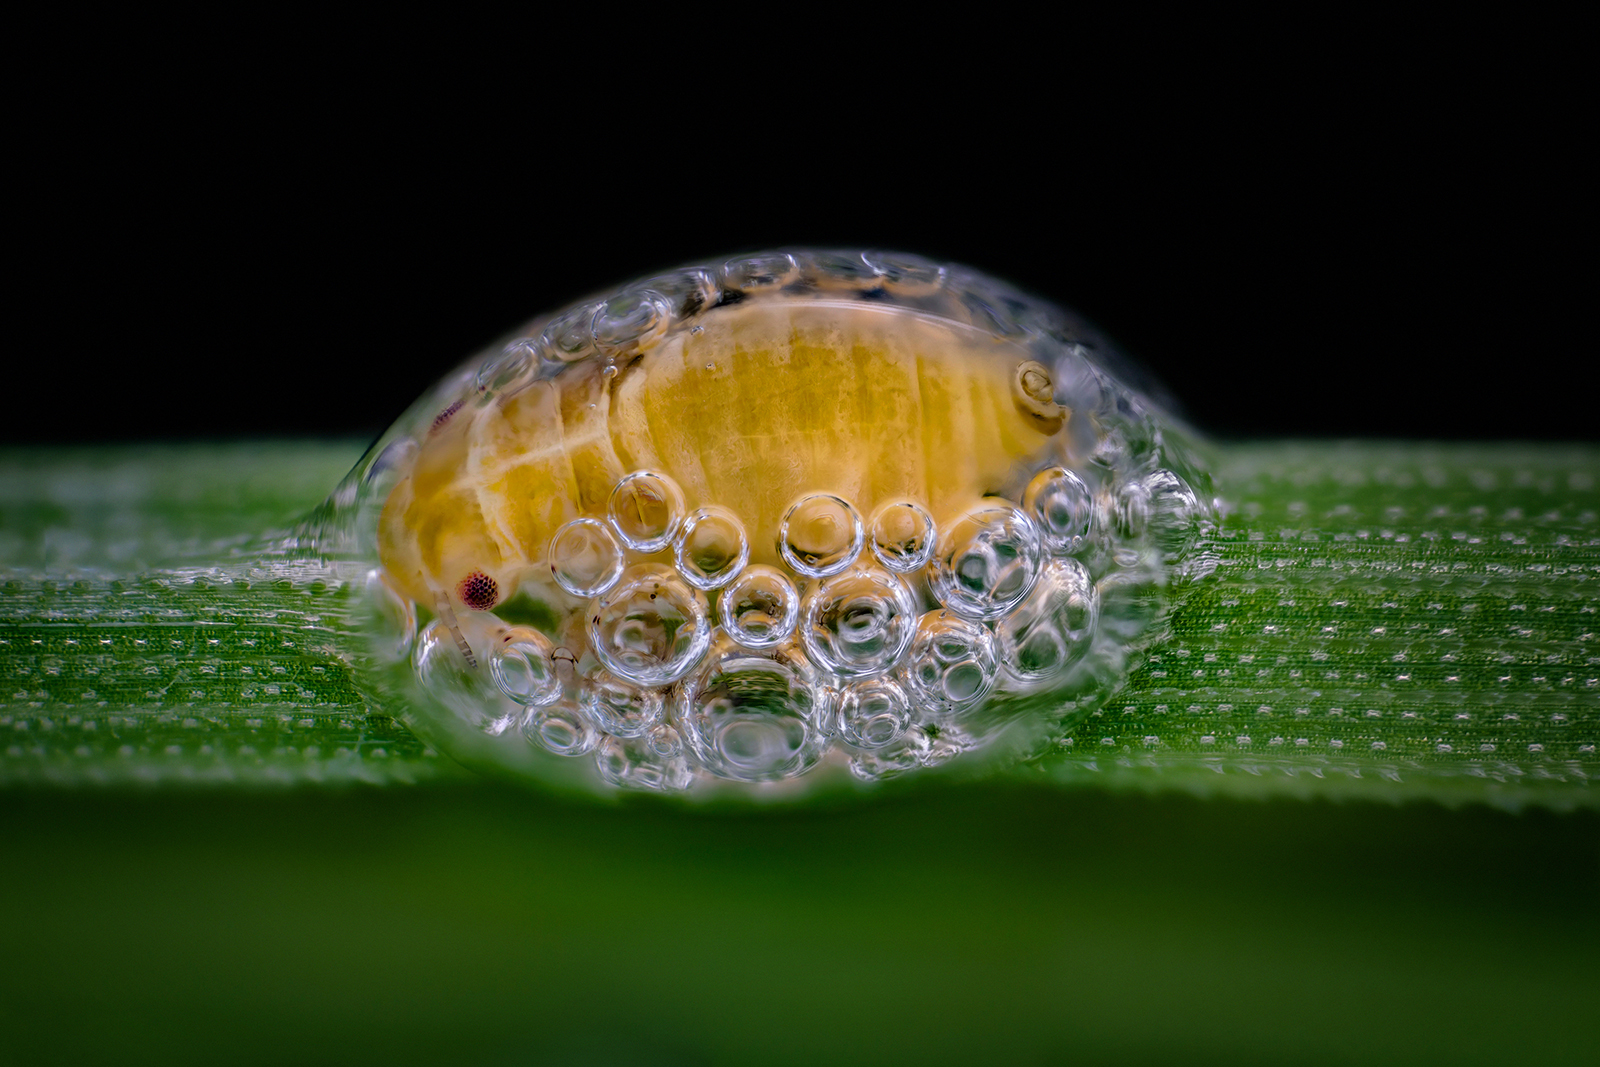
(478, 591)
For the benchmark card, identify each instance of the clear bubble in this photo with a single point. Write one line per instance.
(634, 763)
(585, 558)
(1062, 506)
(652, 627)
(1053, 629)
(904, 536)
(646, 509)
(754, 716)
(987, 562)
(838, 270)
(952, 664)
(689, 291)
(570, 337)
(761, 608)
(631, 319)
(388, 617)
(1173, 513)
(712, 549)
(562, 729)
(517, 362)
(858, 623)
(461, 684)
(523, 666)
(619, 706)
(768, 270)
(873, 714)
(820, 535)
(1131, 509)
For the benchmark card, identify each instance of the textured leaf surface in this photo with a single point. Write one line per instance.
(1379, 619)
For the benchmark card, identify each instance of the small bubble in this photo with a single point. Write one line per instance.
(652, 627)
(769, 270)
(761, 608)
(904, 536)
(754, 717)
(1053, 628)
(585, 558)
(619, 706)
(873, 714)
(571, 336)
(712, 549)
(858, 623)
(523, 666)
(646, 509)
(987, 563)
(1062, 506)
(458, 683)
(515, 364)
(820, 535)
(631, 319)
(952, 664)
(562, 729)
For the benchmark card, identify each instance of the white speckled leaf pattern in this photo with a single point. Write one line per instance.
(1383, 619)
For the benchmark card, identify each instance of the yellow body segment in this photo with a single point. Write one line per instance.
(762, 405)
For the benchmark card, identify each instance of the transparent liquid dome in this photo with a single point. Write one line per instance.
(798, 517)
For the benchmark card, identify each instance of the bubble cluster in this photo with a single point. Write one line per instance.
(633, 536)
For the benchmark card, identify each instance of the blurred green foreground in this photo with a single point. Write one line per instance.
(348, 917)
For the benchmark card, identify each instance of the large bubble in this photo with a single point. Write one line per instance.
(789, 516)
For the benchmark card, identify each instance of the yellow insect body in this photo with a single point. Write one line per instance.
(764, 405)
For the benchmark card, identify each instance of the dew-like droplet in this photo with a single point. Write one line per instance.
(646, 509)
(1050, 632)
(858, 623)
(712, 549)
(562, 729)
(987, 561)
(751, 716)
(904, 536)
(634, 763)
(585, 558)
(952, 664)
(462, 686)
(820, 535)
(619, 706)
(1062, 507)
(761, 608)
(523, 666)
(652, 627)
(874, 713)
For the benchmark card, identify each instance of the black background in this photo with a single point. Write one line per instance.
(1336, 259)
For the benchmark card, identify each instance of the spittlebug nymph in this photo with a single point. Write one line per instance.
(748, 521)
